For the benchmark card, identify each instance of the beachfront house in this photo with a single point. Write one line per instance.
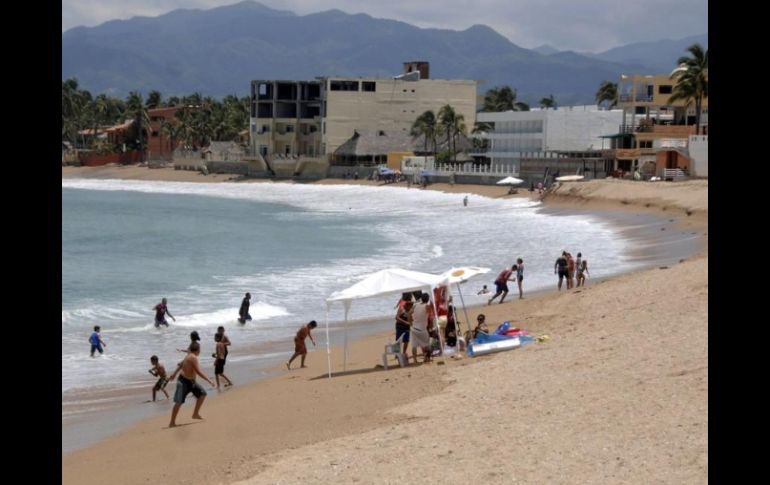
(314, 118)
(655, 134)
(566, 139)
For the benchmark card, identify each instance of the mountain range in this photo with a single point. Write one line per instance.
(221, 50)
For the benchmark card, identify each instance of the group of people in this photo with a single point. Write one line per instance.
(567, 267)
(189, 367)
(415, 323)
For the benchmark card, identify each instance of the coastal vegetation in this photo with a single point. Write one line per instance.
(692, 80)
(198, 120)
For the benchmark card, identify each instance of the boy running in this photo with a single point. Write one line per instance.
(160, 372)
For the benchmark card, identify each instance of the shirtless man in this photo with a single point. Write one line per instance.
(188, 369)
(561, 266)
(299, 343)
(501, 283)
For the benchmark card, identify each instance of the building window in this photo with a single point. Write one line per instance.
(664, 89)
(289, 128)
(369, 86)
(154, 133)
(645, 144)
(343, 85)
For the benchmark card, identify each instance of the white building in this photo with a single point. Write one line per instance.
(531, 134)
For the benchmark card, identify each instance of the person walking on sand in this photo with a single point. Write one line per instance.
(561, 266)
(96, 341)
(404, 326)
(161, 310)
(520, 276)
(158, 371)
(243, 312)
(299, 343)
(219, 363)
(570, 271)
(187, 370)
(465, 201)
(501, 283)
(582, 271)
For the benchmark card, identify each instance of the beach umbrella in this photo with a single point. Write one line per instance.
(509, 181)
(459, 275)
(569, 178)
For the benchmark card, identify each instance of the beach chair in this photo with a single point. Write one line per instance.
(394, 349)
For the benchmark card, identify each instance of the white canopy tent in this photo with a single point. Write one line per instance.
(385, 282)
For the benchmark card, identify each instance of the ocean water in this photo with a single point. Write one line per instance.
(126, 244)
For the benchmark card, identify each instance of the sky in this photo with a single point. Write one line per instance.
(578, 25)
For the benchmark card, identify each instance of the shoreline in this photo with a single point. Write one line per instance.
(377, 394)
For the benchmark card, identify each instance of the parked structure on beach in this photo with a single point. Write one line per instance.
(313, 118)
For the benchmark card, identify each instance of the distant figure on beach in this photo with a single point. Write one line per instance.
(465, 201)
(561, 266)
(161, 310)
(158, 371)
(579, 260)
(483, 291)
(243, 312)
(187, 370)
(520, 276)
(299, 343)
(540, 188)
(219, 363)
(582, 271)
(194, 337)
(404, 325)
(96, 341)
(225, 341)
(501, 284)
(570, 271)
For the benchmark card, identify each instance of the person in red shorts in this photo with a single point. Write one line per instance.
(299, 343)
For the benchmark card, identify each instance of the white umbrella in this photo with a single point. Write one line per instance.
(569, 178)
(460, 275)
(510, 181)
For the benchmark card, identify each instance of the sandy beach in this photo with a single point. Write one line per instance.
(618, 394)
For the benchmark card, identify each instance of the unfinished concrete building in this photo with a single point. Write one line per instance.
(313, 118)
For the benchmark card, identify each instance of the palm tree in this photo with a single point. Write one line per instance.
(458, 128)
(425, 126)
(503, 99)
(135, 108)
(549, 102)
(154, 100)
(692, 84)
(447, 118)
(608, 91)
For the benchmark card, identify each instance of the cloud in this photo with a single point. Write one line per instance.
(579, 25)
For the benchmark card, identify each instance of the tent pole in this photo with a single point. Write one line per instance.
(465, 311)
(438, 328)
(328, 348)
(345, 358)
